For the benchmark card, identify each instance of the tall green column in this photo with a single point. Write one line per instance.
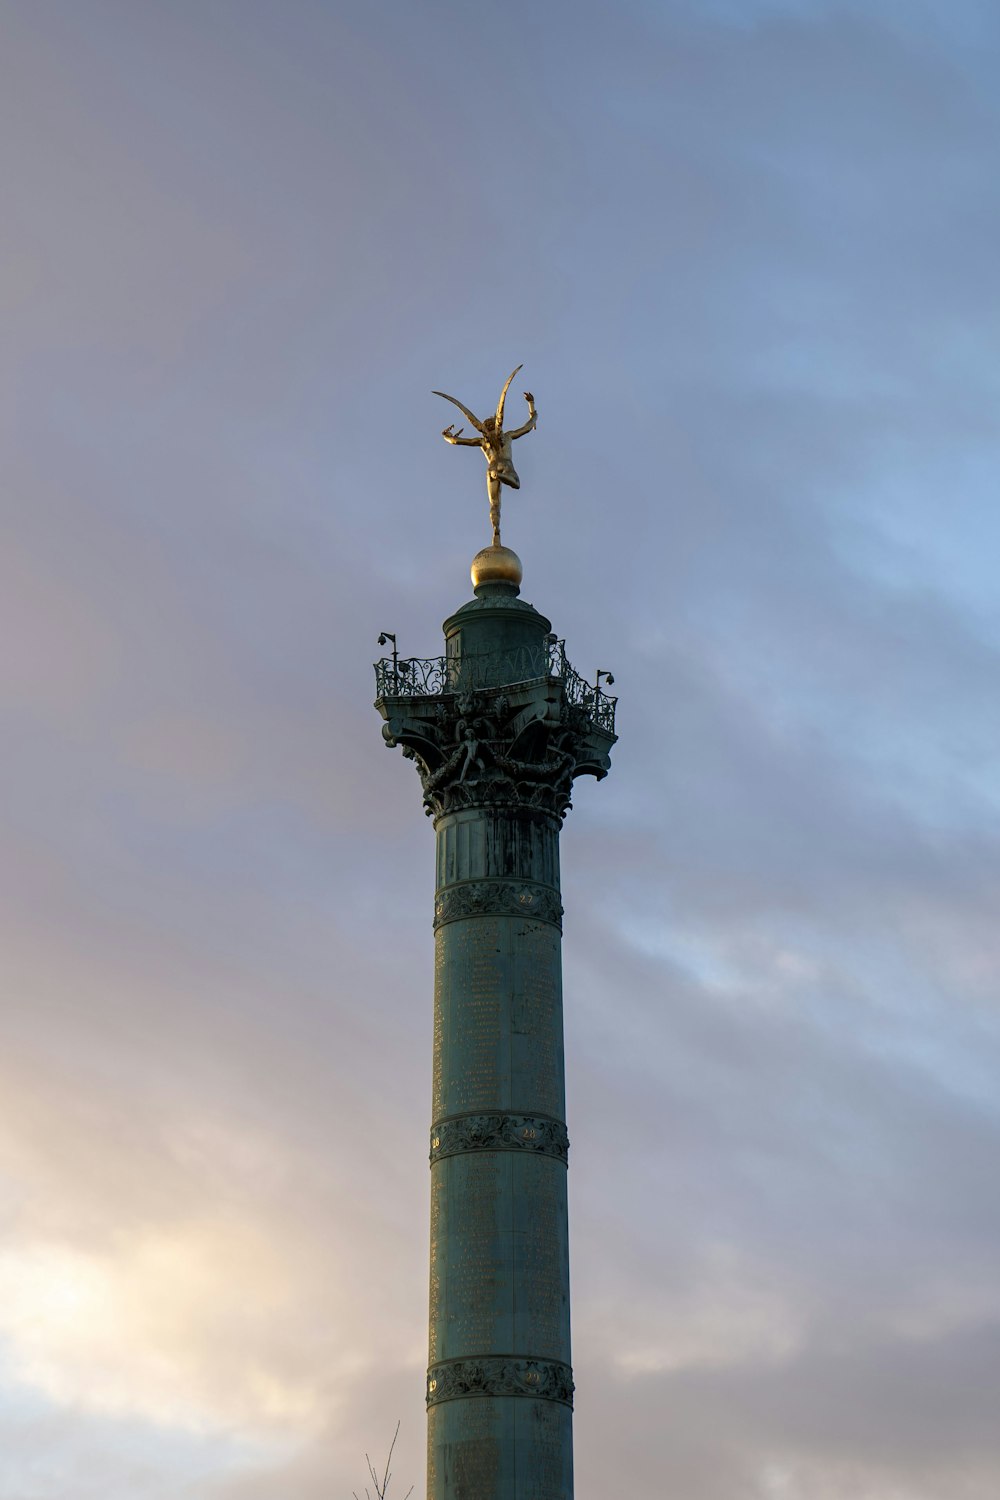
(498, 727)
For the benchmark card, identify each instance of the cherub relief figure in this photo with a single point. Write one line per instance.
(495, 444)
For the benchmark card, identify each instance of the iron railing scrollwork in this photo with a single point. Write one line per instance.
(596, 704)
(437, 676)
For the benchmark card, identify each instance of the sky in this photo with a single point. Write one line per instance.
(747, 253)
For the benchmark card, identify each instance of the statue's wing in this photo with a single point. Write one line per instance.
(463, 409)
(503, 397)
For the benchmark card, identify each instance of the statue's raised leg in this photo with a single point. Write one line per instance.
(493, 490)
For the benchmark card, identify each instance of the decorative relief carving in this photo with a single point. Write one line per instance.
(545, 1379)
(473, 898)
(520, 747)
(499, 1132)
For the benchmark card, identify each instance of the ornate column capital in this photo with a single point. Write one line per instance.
(500, 743)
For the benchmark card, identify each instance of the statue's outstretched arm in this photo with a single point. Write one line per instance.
(450, 436)
(532, 421)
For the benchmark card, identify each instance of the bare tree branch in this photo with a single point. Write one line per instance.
(382, 1485)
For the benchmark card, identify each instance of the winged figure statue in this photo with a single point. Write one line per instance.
(495, 443)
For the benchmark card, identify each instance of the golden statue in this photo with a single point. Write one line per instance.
(495, 444)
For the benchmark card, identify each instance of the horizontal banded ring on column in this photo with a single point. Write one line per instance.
(500, 1375)
(498, 1132)
(504, 898)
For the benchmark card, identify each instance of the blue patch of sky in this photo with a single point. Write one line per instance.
(930, 521)
(971, 24)
(746, 15)
(867, 991)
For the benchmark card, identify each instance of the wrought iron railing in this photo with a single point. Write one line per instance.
(432, 677)
(599, 705)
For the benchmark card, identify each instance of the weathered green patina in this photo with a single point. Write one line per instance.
(498, 727)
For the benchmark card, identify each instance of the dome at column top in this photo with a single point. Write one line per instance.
(496, 564)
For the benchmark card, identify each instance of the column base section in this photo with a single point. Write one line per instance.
(485, 1447)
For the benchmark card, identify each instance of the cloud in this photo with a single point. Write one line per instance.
(142, 1333)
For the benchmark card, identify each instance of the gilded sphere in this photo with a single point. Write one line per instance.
(496, 565)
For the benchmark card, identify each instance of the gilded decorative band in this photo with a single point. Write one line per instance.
(537, 1133)
(500, 1375)
(503, 898)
